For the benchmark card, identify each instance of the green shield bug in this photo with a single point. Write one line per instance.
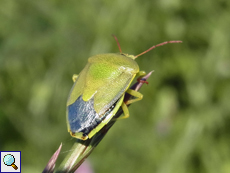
(98, 91)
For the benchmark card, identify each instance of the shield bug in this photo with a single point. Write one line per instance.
(98, 91)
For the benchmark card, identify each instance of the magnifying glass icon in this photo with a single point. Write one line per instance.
(9, 160)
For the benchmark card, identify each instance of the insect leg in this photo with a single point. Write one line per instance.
(141, 74)
(74, 78)
(133, 93)
(125, 112)
(124, 107)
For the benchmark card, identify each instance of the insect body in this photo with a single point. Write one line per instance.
(98, 92)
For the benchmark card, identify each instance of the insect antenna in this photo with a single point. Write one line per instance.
(118, 44)
(161, 44)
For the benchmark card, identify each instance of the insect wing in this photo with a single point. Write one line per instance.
(82, 116)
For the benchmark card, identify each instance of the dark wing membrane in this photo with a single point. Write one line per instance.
(82, 117)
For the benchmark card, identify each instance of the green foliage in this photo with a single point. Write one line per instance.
(182, 123)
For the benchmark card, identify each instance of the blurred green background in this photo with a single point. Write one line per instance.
(183, 122)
